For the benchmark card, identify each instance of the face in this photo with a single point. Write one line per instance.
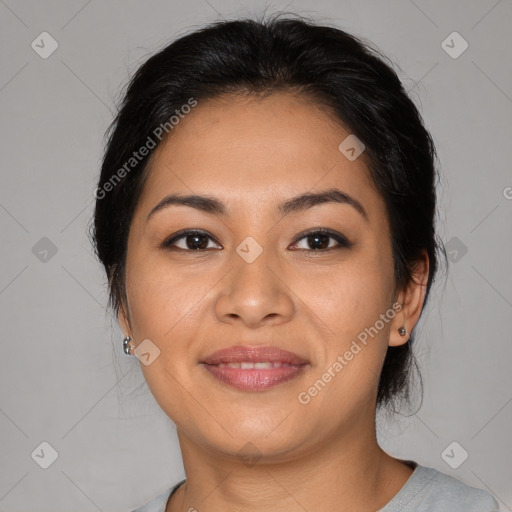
(260, 275)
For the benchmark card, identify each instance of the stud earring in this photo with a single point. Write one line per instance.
(401, 330)
(127, 346)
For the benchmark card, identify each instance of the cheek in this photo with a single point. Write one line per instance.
(160, 295)
(351, 296)
(166, 306)
(353, 301)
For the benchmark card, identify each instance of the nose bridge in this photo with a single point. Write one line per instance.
(252, 263)
(252, 275)
(254, 290)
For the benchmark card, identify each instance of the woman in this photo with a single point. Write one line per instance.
(265, 215)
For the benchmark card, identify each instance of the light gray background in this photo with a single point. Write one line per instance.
(59, 379)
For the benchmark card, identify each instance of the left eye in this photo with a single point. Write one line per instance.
(320, 240)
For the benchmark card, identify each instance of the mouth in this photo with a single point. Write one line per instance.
(254, 368)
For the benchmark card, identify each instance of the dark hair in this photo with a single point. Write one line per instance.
(332, 68)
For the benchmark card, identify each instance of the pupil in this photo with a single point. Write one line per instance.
(193, 245)
(316, 237)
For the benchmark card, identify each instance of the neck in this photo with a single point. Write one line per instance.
(347, 472)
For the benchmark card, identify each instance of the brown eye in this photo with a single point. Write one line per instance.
(318, 240)
(192, 241)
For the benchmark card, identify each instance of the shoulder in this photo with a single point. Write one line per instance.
(452, 491)
(430, 490)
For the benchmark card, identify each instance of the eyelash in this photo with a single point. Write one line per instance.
(343, 242)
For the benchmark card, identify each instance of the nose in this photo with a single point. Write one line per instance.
(255, 293)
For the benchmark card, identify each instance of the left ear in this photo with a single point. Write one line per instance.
(412, 299)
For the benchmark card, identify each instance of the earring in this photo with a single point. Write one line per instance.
(127, 346)
(401, 330)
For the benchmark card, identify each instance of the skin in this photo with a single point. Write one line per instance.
(252, 154)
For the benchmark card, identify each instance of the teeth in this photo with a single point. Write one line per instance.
(249, 365)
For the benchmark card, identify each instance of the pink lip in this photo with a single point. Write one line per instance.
(254, 379)
(239, 353)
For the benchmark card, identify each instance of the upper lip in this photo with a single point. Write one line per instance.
(255, 354)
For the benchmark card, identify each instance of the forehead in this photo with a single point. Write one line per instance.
(257, 149)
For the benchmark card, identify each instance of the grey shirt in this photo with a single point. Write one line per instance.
(426, 490)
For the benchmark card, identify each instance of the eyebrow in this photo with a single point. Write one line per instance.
(302, 202)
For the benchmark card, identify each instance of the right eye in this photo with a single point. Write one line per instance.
(193, 240)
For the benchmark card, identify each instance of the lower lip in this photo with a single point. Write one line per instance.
(254, 379)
